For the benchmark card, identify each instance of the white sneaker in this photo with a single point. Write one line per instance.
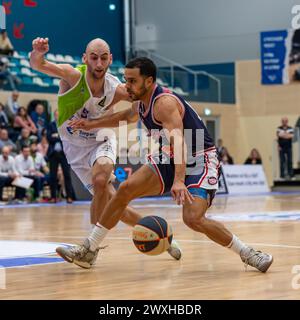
(174, 251)
(81, 255)
(257, 259)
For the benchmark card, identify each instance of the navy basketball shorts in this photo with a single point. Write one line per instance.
(202, 174)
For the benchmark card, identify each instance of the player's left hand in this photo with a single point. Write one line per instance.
(180, 193)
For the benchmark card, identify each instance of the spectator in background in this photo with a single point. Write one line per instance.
(220, 146)
(12, 106)
(25, 167)
(8, 170)
(254, 157)
(24, 139)
(225, 157)
(144, 152)
(4, 122)
(6, 75)
(23, 121)
(6, 47)
(123, 153)
(39, 118)
(40, 163)
(285, 136)
(5, 141)
(55, 157)
(41, 168)
(43, 145)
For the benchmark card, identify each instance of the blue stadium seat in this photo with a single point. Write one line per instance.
(15, 61)
(117, 64)
(48, 80)
(27, 80)
(15, 70)
(77, 59)
(23, 54)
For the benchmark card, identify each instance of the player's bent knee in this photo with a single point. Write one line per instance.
(124, 191)
(195, 222)
(99, 182)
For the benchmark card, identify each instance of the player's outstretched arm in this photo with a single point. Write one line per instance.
(107, 121)
(40, 46)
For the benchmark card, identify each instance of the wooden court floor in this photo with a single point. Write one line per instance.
(268, 222)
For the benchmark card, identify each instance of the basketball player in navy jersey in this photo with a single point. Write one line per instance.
(189, 170)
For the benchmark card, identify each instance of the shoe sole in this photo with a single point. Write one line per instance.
(66, 258)
(176, 257)
(84, 265)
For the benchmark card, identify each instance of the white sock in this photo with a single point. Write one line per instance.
(97, 235)
(236, 245)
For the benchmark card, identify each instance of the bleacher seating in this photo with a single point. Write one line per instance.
(33, 80)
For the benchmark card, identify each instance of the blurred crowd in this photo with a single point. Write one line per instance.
(31, 148)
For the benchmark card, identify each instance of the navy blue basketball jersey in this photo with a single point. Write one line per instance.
(191, 120)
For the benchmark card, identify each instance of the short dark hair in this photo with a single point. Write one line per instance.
(24, 146)
(146, 66)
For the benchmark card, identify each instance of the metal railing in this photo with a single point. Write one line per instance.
(172, 65)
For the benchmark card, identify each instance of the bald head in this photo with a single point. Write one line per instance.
(6, 151)
(98, 58)
(97, 45)
(284, 121)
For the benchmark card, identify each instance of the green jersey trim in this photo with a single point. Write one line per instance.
(74, 99)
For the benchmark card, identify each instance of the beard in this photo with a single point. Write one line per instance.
(137, 96)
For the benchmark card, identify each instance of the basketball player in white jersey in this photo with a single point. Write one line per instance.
(88, 91)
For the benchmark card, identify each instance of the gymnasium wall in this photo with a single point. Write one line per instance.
(69, 24)
(250, 123)
(253, 120)
(211, 31)
(260, 109)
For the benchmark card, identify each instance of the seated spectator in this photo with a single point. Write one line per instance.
(8, 172)
(225, 157)
(5, 141)
(4, 122)
(25, 167)
(40, 165)
(254, 157)
(6, 75)
(23, 120)
(12, 106)
(39, 118)
(6, 47)
(44, 144)
(24, 139)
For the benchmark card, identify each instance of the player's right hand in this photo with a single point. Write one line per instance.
(180, 193)
(40, 45)
(81, 124)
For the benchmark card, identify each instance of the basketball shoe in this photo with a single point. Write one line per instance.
(256, 259)
(174, 251)
(81, 255)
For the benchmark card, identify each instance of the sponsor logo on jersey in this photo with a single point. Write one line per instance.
(101, 104)
(212, 180)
